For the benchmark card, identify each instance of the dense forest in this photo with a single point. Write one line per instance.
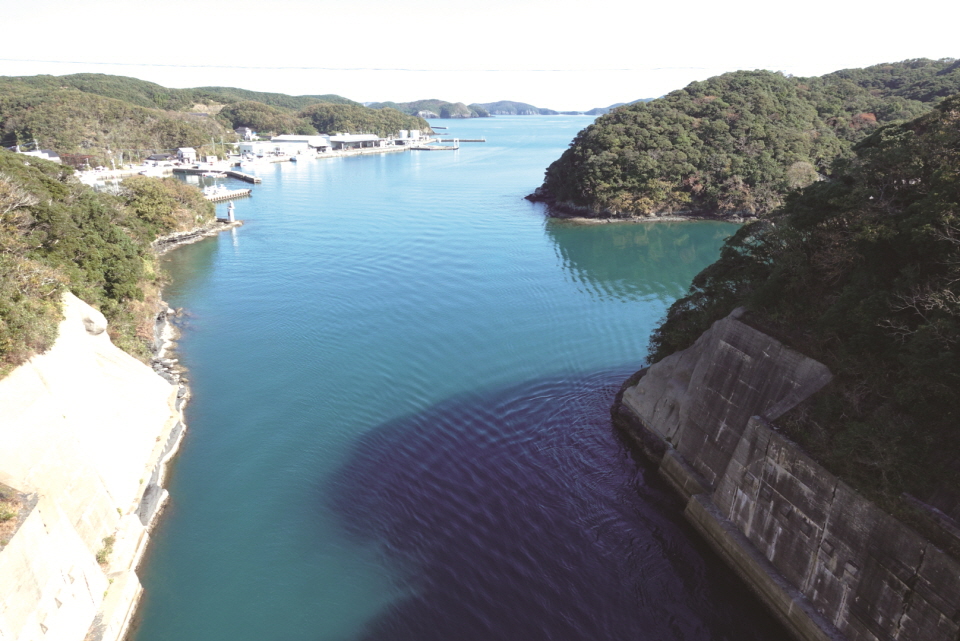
(861, 272)
(58, 234)
(736, 144)
(149, 94)
(105, 116)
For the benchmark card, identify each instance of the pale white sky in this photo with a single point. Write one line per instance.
(559, 54)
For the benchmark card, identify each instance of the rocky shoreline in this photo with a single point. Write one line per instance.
(581, 214)
(171, 241)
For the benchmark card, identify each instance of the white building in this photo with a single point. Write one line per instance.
(246, 133)
(319, 143)
(274, 148)
(46, 154)
(357, 141)
(187, 154)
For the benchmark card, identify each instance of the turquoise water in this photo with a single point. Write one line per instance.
(393, 351)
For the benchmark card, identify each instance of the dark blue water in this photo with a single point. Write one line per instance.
(400, 428)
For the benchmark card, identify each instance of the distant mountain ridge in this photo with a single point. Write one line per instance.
(512, 108)
(433, 108)
(149, 94)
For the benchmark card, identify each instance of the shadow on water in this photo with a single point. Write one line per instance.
(637, 260)
(520, 515)
(189, 267)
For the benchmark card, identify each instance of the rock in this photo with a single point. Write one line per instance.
(94, 322)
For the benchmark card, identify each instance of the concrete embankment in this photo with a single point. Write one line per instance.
(86, 432)
(825, 560)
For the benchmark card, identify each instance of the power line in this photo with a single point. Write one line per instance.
(311, 68)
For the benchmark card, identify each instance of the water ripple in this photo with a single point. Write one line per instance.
(519, 515)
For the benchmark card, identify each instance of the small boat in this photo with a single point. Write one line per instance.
(214, 190)
(213, 174)
(293, 159)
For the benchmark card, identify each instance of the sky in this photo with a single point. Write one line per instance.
(560, 54)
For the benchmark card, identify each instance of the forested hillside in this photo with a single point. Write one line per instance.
(150, 94)
(736, 144)
(861, 272)
(57, 234)
(104, 116)
(73, 122)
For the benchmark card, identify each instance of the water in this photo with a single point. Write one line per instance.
(402, 375)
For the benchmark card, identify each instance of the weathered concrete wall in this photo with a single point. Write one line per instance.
(85, 428)
(828, 562)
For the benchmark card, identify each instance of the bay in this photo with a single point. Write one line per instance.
(401, 376)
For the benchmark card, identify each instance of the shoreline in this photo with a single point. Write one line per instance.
(163, 244)
(121, 604)
(584, 215)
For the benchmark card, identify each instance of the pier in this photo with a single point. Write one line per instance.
(239, 175)
(226, 194)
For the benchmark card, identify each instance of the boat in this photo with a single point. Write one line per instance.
(213, 174)
(214, 190)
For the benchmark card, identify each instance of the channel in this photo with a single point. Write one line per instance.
(401, 375)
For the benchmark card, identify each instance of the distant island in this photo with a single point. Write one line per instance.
(435, 108)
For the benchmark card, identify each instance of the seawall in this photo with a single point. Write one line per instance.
(86, 433)
(826, 561)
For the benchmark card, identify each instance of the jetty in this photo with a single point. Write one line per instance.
(220, 195)
(239, 175)
(199, 171)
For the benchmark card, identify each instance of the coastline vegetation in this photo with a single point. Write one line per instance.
(861, 272)
(110, 118)
(57, 234)
(736, 144)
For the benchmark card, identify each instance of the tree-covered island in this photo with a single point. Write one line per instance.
(737, 144)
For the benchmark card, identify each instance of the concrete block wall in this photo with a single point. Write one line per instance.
(828, 562)
(85, 429)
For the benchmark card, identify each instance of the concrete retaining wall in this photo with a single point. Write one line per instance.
(84, 430)
(827, 562)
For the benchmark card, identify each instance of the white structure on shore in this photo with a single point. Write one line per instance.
(319, 143)
(357, 141)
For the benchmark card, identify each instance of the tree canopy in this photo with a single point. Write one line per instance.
(861, 272)
(102, 116)
(736, 144)
(56, 233)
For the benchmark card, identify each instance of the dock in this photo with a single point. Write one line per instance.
(239, 175)
(227, 194)
(194, 171)
(433, 148)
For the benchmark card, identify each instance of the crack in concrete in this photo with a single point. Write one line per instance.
(908, 597)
